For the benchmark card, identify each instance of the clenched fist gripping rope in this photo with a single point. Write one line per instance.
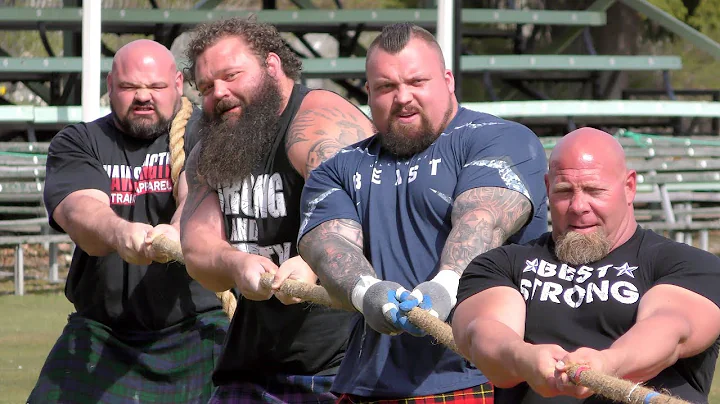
(620, 390)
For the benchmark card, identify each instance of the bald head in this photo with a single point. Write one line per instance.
(588, 146)
(143, 54)
(145, 89)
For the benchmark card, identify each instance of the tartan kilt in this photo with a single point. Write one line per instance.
(281, 389)
(482, 394)
(91, 363)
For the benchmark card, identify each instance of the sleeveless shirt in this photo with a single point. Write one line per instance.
(262, 216)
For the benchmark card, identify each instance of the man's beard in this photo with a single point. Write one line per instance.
(142, 127)
(400, 140)
(231, 149)
(582, 248)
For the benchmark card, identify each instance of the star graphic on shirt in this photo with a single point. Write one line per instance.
(531, 266)
(626, 269)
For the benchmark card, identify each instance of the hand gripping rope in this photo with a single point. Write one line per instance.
(177, 161)
(610, 387)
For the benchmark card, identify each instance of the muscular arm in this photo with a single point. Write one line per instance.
(205, 249)
(324, 124)
(86, 216)
(488, 329)
(672, 323)
(482, 219)
(334, 249)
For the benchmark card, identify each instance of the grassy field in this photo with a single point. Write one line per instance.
(30, 325)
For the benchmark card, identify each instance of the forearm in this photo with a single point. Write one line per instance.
(91, 224)
(494, 348)
(650, 346)
(208, 259)
(334, 251)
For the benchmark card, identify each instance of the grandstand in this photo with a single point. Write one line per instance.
(519, 81)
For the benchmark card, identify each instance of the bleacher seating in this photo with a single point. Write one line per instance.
(23, 219)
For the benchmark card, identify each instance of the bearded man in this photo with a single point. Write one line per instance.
(406, 210)
(598, 291)
(143, 330)
(261, 136)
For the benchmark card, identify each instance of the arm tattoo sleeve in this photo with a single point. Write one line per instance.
(482, 218)
(198, 189)
(326, 130)
(334, 250)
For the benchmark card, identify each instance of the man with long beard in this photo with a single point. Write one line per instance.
(261, 136)
(598, 291)
(143, 331)
(409, 208)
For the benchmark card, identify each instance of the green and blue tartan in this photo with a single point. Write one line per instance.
(91, 363)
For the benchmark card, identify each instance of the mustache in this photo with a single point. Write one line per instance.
(225, 105)
(142, 104)
(398, 108)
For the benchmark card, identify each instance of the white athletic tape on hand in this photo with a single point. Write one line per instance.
(399, 292)
(450, 280)
(418, 295)
(388, 306)
(359, 290)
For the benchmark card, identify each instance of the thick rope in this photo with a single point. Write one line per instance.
(620, 390)
(177, 141)
(611, 387)
(177, 161)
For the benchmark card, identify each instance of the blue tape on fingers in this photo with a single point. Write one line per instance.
(426, 303)
(649, 396)
(409, 304)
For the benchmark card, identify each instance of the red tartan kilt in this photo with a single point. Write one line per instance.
(482, 394)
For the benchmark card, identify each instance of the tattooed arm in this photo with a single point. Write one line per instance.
(482, 219)
(324, 124)
(209, 258)
(334, 249)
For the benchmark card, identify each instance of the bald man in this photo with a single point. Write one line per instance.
(598, 290)
(142, 331)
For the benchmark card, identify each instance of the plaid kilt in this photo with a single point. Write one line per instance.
(90, 363)
(482, 394)
(282, 389)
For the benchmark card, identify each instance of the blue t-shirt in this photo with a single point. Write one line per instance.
(404, 207)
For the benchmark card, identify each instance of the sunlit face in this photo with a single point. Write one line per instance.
(144, 95)
(586, 196)
(410, 92)
(229, 75)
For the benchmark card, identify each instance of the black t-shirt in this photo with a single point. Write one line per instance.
(262, 216)
(595, 304)
(135, 174)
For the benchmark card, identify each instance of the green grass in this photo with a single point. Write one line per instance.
(29, 326)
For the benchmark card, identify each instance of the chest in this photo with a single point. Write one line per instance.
(425, 180)
(601, 299)
(137, 173)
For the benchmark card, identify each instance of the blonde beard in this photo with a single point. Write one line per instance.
(579, 249)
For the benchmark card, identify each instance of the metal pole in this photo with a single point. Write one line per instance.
(91, 53)
(445, 31)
